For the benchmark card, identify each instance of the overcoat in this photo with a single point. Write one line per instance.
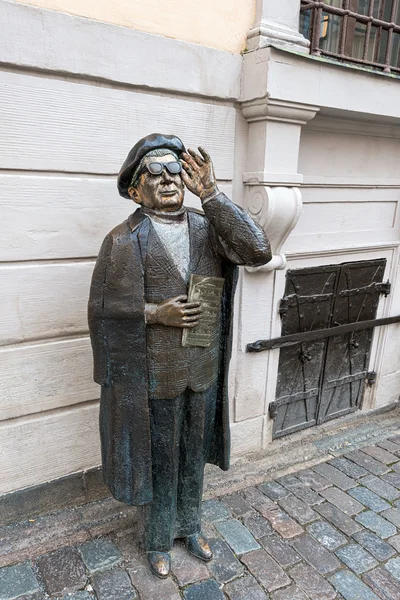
(118, 335)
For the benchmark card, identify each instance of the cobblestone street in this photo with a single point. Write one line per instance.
(330, 531)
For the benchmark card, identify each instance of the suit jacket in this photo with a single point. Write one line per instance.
(221, 239)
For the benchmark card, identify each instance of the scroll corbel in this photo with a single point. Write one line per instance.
(277, 210)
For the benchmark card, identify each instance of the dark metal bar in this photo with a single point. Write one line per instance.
(359, 17)
(390, 37)
(319, 334)
(368, 30)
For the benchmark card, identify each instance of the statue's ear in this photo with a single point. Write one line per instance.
(133, 192)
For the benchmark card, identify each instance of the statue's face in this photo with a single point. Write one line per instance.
(159, 192)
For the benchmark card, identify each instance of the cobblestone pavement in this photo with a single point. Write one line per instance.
(331, 531)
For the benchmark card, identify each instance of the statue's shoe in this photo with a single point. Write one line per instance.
(199, 547)
(160, 563)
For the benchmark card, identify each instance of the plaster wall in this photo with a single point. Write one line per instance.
(222, 24)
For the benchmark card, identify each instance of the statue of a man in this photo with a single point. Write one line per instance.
(164, 406)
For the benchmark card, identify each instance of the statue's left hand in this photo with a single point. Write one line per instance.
(198, 173)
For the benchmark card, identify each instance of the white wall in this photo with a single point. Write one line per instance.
(63, 139)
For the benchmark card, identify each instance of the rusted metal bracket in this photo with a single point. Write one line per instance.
(319, 334)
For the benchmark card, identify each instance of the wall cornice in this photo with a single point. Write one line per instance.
(272, 109)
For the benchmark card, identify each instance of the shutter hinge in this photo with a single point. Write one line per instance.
(371, 378)
(385, 288)
(273, 410)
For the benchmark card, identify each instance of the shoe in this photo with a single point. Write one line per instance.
(160, 563)
(199, 547)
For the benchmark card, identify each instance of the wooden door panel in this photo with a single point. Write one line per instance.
(307, 305)
(347, 355)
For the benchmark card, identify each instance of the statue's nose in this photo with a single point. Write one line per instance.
(166, 175)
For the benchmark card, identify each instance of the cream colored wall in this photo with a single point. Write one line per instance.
(221, 24)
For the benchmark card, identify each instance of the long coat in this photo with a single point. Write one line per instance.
(118, 334)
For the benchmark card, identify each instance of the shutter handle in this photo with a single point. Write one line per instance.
(305, 357)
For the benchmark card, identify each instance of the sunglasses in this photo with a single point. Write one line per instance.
(156, 168)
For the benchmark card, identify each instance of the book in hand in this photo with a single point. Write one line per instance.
(207, 291)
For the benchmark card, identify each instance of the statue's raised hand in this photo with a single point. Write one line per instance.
(198, 173)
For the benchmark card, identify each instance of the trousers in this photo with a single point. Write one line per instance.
(182, 430)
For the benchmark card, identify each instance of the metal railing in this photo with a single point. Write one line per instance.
(354, 31)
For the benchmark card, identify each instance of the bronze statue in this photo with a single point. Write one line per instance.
(164, 401)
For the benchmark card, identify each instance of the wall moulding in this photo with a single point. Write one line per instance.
(265, 34)
(271, 109)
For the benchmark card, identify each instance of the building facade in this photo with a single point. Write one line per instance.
(309, 144)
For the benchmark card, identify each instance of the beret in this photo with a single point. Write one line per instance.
(142, 147)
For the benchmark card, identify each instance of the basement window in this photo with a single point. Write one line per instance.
(365, 32)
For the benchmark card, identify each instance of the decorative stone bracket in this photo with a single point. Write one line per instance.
(277, 210)
(271, 174)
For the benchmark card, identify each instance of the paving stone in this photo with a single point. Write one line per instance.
(383, 583)
(315, 586)
(395, 467)
(394, 438)
(393, 566)
(151, 587)
(392, 478)
(113, 585)
(297, 509)
(327, 535)
(375, 523)
(206, 590)
(18, 580)
(281, 551)
(257, 499)
(395, 542)
(257, 525)
(273, 490)
(290, 593)
(29, 540)
(99, 554)
(389, 446)
(392, 515)
(237, 536)
(380, 454)
(349, 468)
(382, 488)
(356, 558)
(314, 480)
(369, 498)
(80, 596)
(238, 505)
(377, 547)
(224, 567)
(315, 554)
(265, 570)
(186, 568)
(350, 587)
(336, 517)
(369, 463)
(342, 501)
(214, 510)
(283, 524)
(63, 571)
(335, 476)
(245, 588)
(300, 490)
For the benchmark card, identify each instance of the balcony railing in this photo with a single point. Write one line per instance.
(366, 32)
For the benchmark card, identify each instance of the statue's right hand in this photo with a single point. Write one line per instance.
(177, 312)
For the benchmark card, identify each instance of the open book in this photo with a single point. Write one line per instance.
(208, 291)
